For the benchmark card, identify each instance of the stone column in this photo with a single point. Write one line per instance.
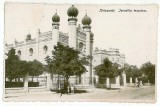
(97, 79)
(83, 80)
(117, 82)
(130, 80)
(107, 82)
(26, 82)
(124, 79)
(49, 82)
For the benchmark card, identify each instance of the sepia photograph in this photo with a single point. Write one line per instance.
(80, 52)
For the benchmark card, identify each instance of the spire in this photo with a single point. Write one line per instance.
(56, 11)
(29, 31)
(86, 12)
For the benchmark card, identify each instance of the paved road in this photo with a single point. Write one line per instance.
(143, 94)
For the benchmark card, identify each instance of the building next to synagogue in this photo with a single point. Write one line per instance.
(115, 57)
(80, 38)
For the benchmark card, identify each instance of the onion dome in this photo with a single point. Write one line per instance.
(28, 37)
(86, 20)
(72, 11)
(55, 18)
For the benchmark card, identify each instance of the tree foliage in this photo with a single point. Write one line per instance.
(12, 65)
(36, 68)
(131, 71)
(65, 61)
(145, 72)
(148, 70)
(108, 69)
(16, 68)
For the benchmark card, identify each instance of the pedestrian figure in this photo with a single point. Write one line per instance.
(62, 92)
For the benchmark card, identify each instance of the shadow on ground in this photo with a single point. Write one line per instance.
(65, 92)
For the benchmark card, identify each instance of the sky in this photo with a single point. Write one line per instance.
(133, 33)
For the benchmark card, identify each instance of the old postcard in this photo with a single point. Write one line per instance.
(78, 52)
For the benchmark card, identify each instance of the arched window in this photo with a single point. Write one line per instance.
(45, 48)
(30, 51)
(80, 46)
(19, 53)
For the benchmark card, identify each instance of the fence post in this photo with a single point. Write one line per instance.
(26, 82)
(97, 79)
(117, 82)
(124, 79)
(107, 82)
(130, 80)
(48, 78)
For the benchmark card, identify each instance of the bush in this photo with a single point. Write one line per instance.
(101, 86)
(33, 84)
(13, 84)
(20, 84)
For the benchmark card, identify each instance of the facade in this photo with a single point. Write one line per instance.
(80, 38)
(41, 46)
(114, 56)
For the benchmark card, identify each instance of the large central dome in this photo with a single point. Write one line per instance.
(72, 11)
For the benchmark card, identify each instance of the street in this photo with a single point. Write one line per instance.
(128, 94)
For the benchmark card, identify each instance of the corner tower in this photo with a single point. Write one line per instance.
(72, 22)
(55, 29)
(86, 21)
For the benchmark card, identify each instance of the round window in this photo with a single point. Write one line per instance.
(30, 51)
(19, 53)
(45, 48)
(80, 46)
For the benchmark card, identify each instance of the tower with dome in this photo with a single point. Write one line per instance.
(41, 46)
(79, 38)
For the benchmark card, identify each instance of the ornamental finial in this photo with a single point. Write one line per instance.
(86, 12)
(56, 11)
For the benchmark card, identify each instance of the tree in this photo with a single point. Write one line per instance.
(36, 68)
(52, 68)
(11, 65)
(132, 71)
(16, 68)
(148, 69)
(128, 71)
(65, 61)
(108, 69)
